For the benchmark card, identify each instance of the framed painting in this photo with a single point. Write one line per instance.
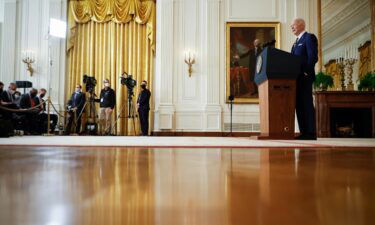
(244, 41)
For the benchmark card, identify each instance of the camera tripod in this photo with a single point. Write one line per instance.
(91, 125)
(132, 114)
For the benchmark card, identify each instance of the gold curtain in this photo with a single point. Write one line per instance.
(107, 38)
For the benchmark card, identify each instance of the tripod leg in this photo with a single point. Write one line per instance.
(133, 117)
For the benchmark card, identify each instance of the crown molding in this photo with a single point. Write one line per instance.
(344, 14)
(364, 27)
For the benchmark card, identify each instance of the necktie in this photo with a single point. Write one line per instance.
(295, 43)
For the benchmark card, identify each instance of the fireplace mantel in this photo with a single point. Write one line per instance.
(326, 100)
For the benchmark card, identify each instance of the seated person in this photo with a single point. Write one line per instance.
(17, 98)
(43, 116)
(29, 101)
(1, 91)
(8, 100)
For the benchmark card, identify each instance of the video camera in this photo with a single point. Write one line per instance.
(90, 83)
(129, 82)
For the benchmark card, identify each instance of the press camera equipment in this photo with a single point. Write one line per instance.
(91, 125)
(90, 83)
(231, 99)
(129, 82)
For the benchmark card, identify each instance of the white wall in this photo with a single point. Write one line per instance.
(197, 103)
(25, 27)
(182, 103)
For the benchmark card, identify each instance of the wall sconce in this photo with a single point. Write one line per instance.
(28, 57)
(189, 60)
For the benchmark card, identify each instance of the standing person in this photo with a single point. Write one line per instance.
(306, 47)
(76, 105)
(107, 104)
(143, 104)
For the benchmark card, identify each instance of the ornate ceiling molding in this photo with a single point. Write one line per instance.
(344, 14)
(349, 36)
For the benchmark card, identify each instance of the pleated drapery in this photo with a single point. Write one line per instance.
(107, 38)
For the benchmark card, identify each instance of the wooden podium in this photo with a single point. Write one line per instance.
(276, 74)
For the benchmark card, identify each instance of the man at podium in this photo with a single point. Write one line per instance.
(306, 47)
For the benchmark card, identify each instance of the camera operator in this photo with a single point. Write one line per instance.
(28, 101)
(143, 104)
(75, 108)
(43, 116)
(107, 103)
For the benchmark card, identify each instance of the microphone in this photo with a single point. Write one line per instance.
(270, 43)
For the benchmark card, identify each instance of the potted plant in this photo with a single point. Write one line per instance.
(323, 81)
(367, 82)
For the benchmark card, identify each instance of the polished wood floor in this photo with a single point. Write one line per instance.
(141, 186)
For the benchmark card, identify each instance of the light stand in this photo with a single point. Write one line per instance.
(231, 99)
(131, 109)
(57, 28)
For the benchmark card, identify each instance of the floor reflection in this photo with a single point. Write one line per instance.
(58, 186)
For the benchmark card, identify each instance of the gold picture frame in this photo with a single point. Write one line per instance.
(241, 57)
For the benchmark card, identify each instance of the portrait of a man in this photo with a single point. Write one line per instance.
(244, 44)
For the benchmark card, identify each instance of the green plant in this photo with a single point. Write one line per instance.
(367, 82)
(323, 81)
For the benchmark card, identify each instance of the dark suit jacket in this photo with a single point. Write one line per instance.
(144, 100)
(5, 97)
(77, 100)
(39, 100)
(107, 98)
(25, 101)
(307, 49)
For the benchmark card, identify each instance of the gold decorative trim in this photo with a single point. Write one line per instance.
(230, 25)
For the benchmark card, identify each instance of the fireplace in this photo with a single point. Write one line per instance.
(351, 122)
(345, 113)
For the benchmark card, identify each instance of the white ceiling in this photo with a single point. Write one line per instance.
(341, 16)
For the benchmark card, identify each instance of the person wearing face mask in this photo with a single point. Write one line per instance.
(7, 100)
(7, 97)
(143, 104)
(1, 92)
(43, 116)
(17, 98)
(107, 104)
(76, 105)
(29, 101)
(1, 87)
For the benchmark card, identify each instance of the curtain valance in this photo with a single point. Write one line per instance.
(118, 11)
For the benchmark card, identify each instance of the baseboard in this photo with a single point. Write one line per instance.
(204, 134)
